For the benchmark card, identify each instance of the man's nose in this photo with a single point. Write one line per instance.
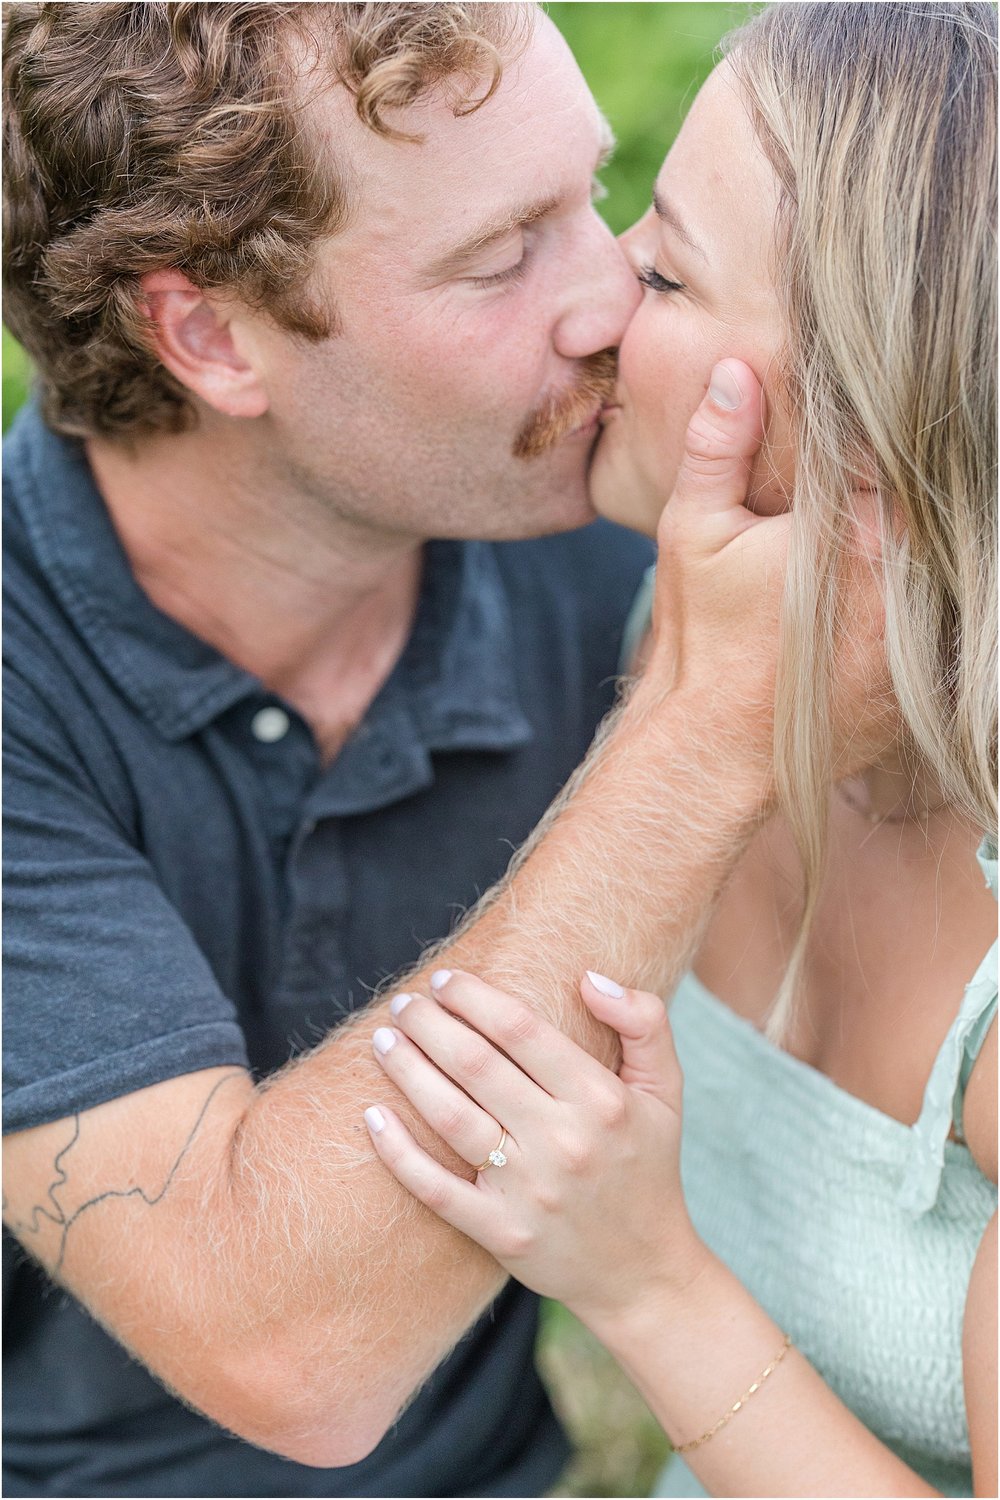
(605, 295)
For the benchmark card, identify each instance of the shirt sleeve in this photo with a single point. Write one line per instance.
(105, 989)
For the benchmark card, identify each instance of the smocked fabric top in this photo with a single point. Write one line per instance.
(857, 1233)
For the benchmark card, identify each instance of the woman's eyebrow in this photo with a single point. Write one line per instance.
(668, 215)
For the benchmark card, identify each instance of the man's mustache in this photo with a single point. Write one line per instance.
(559, 414)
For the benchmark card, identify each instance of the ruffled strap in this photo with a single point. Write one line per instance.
(639, 619)
(945, 1093)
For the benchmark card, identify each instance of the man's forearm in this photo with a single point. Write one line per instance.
(347, 1270)
(624, 869)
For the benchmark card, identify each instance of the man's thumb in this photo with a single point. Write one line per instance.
(722, 440)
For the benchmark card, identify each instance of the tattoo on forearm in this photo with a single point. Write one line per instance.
(52, 1210)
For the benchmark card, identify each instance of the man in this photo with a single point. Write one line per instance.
(308, 286)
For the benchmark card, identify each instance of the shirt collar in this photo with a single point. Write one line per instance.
(457, 673)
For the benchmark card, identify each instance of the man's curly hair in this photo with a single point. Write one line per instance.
(142, 136)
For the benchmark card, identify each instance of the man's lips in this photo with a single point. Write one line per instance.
(591, 423)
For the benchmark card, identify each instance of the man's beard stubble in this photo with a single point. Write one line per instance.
(560, 414)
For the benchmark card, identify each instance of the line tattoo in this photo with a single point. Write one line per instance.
(56, 1214)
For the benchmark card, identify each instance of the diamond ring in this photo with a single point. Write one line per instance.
(496, 1157)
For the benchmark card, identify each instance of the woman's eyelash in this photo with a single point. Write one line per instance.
(657, 283)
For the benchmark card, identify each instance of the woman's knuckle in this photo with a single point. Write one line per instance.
(519, 1241)
(435, 1195)
(453, 1118)
(574, 1154)
(653, 1011)
(518, 1026)
(548, 1198)
(476, 1060)
(610, 1107)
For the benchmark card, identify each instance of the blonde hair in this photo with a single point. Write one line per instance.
(880, 122)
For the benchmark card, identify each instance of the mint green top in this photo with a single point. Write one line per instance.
(856, 1233)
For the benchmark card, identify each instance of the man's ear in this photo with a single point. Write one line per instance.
(193, 336)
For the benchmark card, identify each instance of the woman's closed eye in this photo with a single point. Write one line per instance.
(651, 278)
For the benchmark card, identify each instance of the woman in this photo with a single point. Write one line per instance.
(806, 1291)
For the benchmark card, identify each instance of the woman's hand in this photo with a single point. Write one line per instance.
(588, 1206)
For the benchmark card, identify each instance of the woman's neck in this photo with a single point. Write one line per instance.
(901, 788)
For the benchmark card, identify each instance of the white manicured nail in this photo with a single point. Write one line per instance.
(374, 1119)
(606, 986)
(399, 1004)
(440, 978)
(384, 1040)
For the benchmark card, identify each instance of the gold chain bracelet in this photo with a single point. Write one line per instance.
(730, 1414)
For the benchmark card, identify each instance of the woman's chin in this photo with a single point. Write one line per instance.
(615, 496)
(617, 491)
(632, 519)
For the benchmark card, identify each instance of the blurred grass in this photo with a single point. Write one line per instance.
(619, 1446)
(644, 62)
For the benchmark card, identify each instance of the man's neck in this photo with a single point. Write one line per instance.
(318, 609)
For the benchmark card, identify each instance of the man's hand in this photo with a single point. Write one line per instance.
(721, 607)
(721, 571)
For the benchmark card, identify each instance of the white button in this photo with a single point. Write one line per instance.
(269, 725)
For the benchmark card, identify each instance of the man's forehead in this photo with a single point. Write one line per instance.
(540, 132)
(523, 209)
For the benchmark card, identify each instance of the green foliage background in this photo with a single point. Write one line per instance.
(644, 62)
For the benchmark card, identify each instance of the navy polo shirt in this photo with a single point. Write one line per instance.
(187, 886)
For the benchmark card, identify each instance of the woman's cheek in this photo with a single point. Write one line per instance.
(662, 423)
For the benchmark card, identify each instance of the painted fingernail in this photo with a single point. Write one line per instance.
(399, 1003)
(384, 1040)
(440, 978)
(374, 1119)
(724, 389)
(606, 986)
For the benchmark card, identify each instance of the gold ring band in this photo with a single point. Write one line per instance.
(496, 1157)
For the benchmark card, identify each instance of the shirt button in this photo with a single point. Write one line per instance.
(270, 725)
